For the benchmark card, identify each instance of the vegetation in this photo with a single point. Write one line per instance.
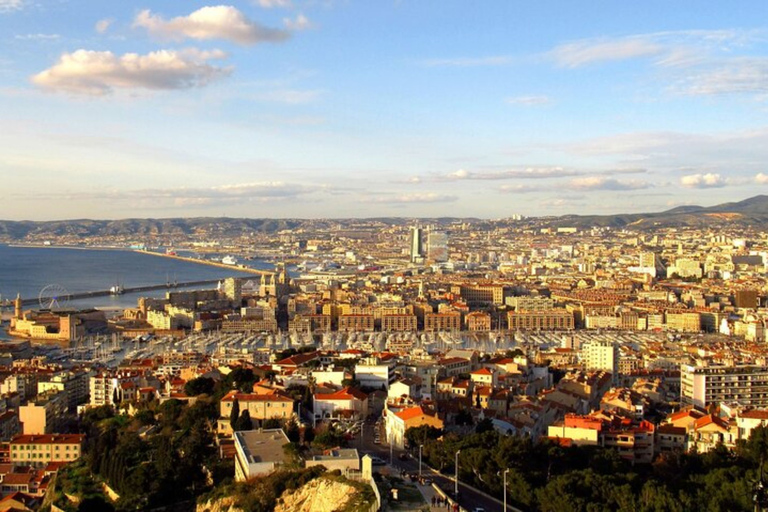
(174, 464)
(547, 477)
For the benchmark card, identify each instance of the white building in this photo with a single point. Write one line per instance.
(601, 355)
(258, 452)
(702, 386)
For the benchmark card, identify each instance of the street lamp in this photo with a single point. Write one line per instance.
(456, 478)
(505, 489)
(420, 447)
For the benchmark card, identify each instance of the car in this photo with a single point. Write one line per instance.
(478, 509)
(377, 461)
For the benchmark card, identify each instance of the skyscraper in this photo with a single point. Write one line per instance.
(437, 245)
(416, 244)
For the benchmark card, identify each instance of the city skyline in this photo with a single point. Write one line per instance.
(306, 109)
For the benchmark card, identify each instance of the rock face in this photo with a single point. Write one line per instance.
(220, 505)
(319, 495)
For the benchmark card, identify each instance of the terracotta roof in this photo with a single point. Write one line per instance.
(48, 439)
(755, 414)
(410, 413)
(344, 394)
(482, 371)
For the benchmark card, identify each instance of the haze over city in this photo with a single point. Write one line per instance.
(290, 108)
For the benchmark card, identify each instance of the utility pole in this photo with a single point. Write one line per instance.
(505, 489)
(456, 476)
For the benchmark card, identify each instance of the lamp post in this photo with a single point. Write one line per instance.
(456, 476)
(420, 447)
(505, 489)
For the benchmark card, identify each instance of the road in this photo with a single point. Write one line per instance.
(469, 497)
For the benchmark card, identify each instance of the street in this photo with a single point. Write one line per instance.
(469, 497)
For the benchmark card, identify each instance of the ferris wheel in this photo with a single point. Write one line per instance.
(53, 296)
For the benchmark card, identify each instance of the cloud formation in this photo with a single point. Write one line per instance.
(297, 24)
(214, 22)
(709, 180)
(103, 25)
(604, 183)
(100, 73)
(761, 179)
(731, 76)
(581, 53)
(11, 5)
(510, 174)
(222, 195)
(269, 4)
(429, 197)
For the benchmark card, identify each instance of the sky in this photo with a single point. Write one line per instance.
(361, 108)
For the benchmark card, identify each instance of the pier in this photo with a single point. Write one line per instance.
(104, 293)
(200, 261)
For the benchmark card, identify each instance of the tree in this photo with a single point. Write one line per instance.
(243, 422)
(199, 386)
(235, 414)
(115, 397)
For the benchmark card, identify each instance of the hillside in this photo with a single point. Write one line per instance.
(749, 212)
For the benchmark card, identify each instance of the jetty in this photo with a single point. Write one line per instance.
(135, 289)
(201, 261)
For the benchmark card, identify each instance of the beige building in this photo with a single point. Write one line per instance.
(546, 320)
(448, 321)
(40, 450)
(399, 323)
(44, 414)
(259, 407)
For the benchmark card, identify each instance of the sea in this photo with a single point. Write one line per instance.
(28, 270)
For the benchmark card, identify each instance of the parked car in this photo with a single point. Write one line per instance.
(376, 461)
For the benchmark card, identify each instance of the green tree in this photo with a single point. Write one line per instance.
(199, 386)
(243, 422)
(235, 413)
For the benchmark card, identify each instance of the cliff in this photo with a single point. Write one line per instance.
(320, 495)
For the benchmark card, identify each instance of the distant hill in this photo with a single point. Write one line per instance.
(749, 212)
(213, 227)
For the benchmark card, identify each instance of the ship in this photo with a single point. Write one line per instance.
(229, 260)
(117, 290)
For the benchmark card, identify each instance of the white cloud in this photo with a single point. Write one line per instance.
(732, 76)
(520, 189)
(297, 24)
(37, 37)
(221, 195)
(669, 49)
(527, 173)
(103, 25)
(215, 22)
(429, 197)
(709, 180)
(585, 52)
(11, 5)
(99, 73)
(529, 100)
(269, 4)
(604, 183)
(761, 178)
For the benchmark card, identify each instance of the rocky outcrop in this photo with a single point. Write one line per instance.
(319, 495)
(219, 505)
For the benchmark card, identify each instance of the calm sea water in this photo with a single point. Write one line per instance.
(28, 270)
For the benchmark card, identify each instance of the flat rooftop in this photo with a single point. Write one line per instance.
(263, 445)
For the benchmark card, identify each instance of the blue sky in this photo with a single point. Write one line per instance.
(313, 108)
